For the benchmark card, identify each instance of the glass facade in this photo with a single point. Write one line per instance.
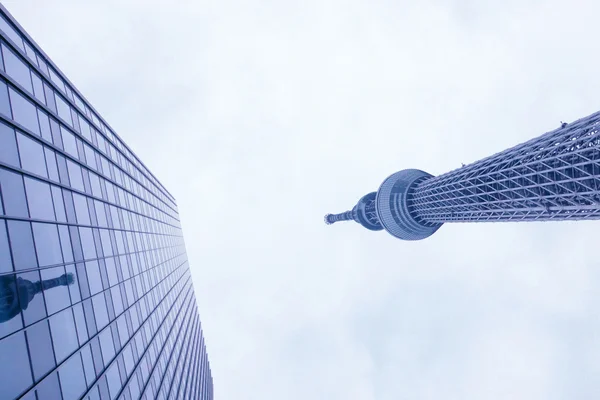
(96, 297)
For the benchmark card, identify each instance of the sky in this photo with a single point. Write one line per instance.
(261, 117)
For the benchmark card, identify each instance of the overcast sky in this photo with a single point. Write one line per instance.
(262, 116)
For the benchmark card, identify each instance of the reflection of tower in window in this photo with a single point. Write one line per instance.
(15, 294)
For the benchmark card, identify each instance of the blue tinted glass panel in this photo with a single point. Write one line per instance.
(45, 126)
(75, 175)
(80, 323)
(87, 241)
(4, 103)
(39, 199)
(47, 244)
(57, 80)
(62, 169)
(93, 274)
(10, 32)
(38, 88)
(100, 214)
(13, 193)
(95, 183)
(12, 318)
(51, 164)
(106, 246)
(72, 380)
(17, 69)
(59, 205)
(65, 243)
(114, 381)
(32, 155)
(81, 209)
(69, 207)
(74, 288)
(32, 302)
(69, 142)
(21, 239)
(50, 97)
(90, 157)
(15, 376)
(56, 290)
(88, 365)
(100, 310)
(64, 111)
(8, 146)
(56, 134)
(63, 331)
(49, 388)
(5, 260)
(111, 271)
(40, 349)
(24, 112)
(107, 346)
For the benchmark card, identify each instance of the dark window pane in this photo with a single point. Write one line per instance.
(75, 175)
(69, 142)
(93, 275)
(4, 103)
(100, 311)
(81, 209)
(75, 120)
(24, 112)
(38, 88)
(30, 296)
(64, 111)
(72, 381)
(5, 260)
(47, 244)
(21, 240)
(8, 145)
(69, 207)
(17, 69)
(51, 164)
(38, 199)
(13, 193)
(76, 243)
(12, 318)
(62, 169)
(57, 79)
(15, 376)
(56, 290)
(56, 135)
(64, 334)
(40, 349)
(32, 155)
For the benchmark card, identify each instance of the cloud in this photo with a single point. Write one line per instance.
(260, 118)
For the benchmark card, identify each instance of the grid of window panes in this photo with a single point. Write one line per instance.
(96, 299)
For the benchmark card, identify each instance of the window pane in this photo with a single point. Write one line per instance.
(106, 345)
(21, 239)
(5, 260)
(80, 323)
(59, 205)
(63, 331)
(75, 176)
(65, 242)
(13, 193)
(88, 366)
(50, 101)
(90, 157)
(81, 209)
(51, 164)
(15, 375)
(56, 135)
(57, 79)
(49, 388)
(56, 291)
(106, 244)
(17, 69)
(72, 381)
(87, 241)
(32, 155)
(100, 310)
(93, 274)
(69, 142)
(12, 319)
(38, 199)
(4, 103)
(8, 146)
(74, 288)
(114, 381)
(24, 112)
(62, 169)
(47, 244)
(40, 349)
(45, 126)
(38, 88)
(100, 214)
(31, 300)
(64, 111)
(11, 33)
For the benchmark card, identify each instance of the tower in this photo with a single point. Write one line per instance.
(555, 176)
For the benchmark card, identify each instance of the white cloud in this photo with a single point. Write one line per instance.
(262, 117)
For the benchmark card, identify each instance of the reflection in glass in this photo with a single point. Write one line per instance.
(15, 295)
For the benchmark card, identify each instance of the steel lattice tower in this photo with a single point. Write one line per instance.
(553, 177)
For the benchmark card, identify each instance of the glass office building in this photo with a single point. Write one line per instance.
(96, 297)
